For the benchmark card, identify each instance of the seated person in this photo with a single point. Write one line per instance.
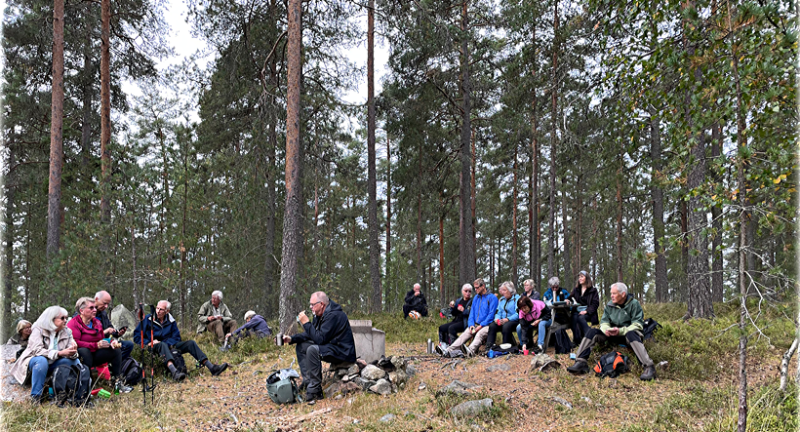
(556, 294)
(215, 317)
(329, 338)
(415, 301)
(102, 300)
(166, 337)
(93, 349)
(484, 307)
(530, 289)
(506, 316)
(585, 295)
(254, 325)
(448, 332)
(49, 345)
(21, 336)
(532, 314)
(622, 323)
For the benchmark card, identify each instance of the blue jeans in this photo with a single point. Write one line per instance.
(543, 325)
(39, 368)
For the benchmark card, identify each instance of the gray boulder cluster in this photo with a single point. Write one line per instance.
(385, 378)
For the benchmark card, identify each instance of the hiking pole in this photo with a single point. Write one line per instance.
(141, 342)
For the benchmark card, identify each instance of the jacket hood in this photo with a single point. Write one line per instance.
(332, 307)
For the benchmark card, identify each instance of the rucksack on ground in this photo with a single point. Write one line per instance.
(282, 391)
(131, 371)
(71, 383)
(650, 326)
(563, 342)
(612, 365)
(178, 362)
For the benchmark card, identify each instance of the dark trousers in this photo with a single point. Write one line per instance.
(507, 329)
(406, 309)
(448, 332)
(311, 365)
(127, 349)
(580, 328)
(182, 347)
(105, 355)
(632, 339)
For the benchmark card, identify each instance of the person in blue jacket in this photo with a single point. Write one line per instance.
(484, 308)
(556, 294)
(507, 316)
(166, 336)
(255, 325)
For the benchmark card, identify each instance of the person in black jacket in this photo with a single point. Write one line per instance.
(415, 301)
(329, 338)
(102, 300)
(460, 310)
(586, 296)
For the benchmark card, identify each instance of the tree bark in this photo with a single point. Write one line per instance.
(619, 257)
(514, 234)
(567, 262)
(442, 298)
(86, 126)
(684, 283)
(716, 217)
(8, 233)
(56, 138)
(420, 275)
(466, 254)
(787, 357)
(535, 240)
(374, 247)
(183, 294)
(388, 219)
(553, 114)
(271, 175)
(105, 108)
(657, 195)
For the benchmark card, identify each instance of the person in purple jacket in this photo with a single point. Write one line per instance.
(254, 325)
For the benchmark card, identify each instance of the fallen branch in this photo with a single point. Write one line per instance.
(785, 363)
(305, 417)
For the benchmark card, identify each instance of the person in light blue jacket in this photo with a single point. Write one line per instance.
(556, 294)
(506, 317)
(484, 308)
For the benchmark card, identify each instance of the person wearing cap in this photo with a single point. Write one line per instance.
(586, 300)
(215, 317)
(254, 325)
(622, 323)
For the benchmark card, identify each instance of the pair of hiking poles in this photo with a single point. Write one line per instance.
(147, 388)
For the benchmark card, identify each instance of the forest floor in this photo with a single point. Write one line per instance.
(697, 391)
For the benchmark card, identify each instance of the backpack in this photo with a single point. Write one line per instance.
(131, 371)
(563, 342)
(282, 391)
(178, 362)
(650, 326)
(612, 365)
(71, 383)
(500, 351)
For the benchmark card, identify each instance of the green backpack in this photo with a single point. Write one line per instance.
(282, 391)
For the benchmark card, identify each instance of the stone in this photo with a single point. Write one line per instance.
(342, 387)
(387, 418)
(398, 377)
(544, 362)
(122, 317)
(662, 366)
(373, 373)
(346, 378)
(382, 387)
(354, 370)
(587, 400)
(411, 370)
(364, 383)
(398, 362)
(562, 402)
(457, 387)
(502, 367)
(472, 408)
(341, 372)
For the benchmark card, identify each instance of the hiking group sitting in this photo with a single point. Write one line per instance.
(487, 314)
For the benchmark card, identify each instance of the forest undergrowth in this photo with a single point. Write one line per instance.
(696, 391)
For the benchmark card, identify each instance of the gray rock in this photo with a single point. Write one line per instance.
(122, 317)
(398, 377)
(398, 362)
(411, 370)
(544, 362)
(562, 402)
(472, 408)
(342, 387)
(341, 372)
(346, 378)
(372, 372)
(354, 370)
(457, 387)
(364, 383)
(382, 387)
(502, 367)
(387, 418)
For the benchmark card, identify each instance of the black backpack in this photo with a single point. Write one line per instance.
(563, 342)
(131, 371)
(71, 383)
(650, 326)
(177, 361)
(612, 365)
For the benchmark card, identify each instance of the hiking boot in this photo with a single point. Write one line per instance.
(216, 369)
(467, 351)
(120, 387)
(313, 397)
(178, 376)
(649, 374)
(579, 368)
(440, 350)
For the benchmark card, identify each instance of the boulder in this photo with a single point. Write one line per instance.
(364, 383)
(502, 367)
(411, 370)
(457, 387)
(472, 408)
(382, 387)
(342, 387)
(122, 317)
(373, 373)
(544, 362)
(398, 377)
(398, 362)
(562, 402)
(354, 370)
(387, 418)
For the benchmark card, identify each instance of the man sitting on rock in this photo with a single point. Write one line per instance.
(484, 307)
(622, 323)
(327, 338)
(415, 301)
(215, 317)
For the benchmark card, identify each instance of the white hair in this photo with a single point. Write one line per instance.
(467, 287)
(322, 297)
(621, 287)
(510, 287)
(553, 282)
(81, 303)
(45, 320)
(417, 285)
(101, 293)
(169, 305)
(217, 293)
(249, 314)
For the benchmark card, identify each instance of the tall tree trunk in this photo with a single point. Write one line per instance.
(567, 267)
(578, 222)
(271, 174)
(620, 173)
(86, 126)
(514, 273)
(716, 217)
(594, 241)
(388, 218)
(420, 276)
(442, 298)
(684, 285)
(8, 233)
(535, 239)
(183, 286)
(105, 108)
(56, 138)
(472, 204)
(374, 247)
(657, 195)
(466, 256)
(554, 116)
(133, 264)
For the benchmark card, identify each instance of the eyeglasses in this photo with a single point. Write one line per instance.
(161, 309)
(91, 307)
(62, 318)
(314, 304)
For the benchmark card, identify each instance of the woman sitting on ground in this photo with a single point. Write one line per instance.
(49, 345)
(506, 317)
(533, 314)
(448, 332)
(22, 335)
(92, 348)
(584, 295)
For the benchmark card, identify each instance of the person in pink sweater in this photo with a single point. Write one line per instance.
(533, 314)
(93, 350)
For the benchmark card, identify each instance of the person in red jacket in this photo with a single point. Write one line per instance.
(93, 350)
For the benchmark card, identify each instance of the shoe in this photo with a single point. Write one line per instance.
(439, 350)
(538, 349)
(87, 404)
(313, 397)
(649, 374)
(120, 387)
(579, 368)
(178, 375)
(467, 351)
(216, 369)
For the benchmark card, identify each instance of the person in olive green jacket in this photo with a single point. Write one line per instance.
(622, 323)
(215, 317)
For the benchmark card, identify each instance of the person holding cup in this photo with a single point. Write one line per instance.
(215, 317)
(328, 338)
